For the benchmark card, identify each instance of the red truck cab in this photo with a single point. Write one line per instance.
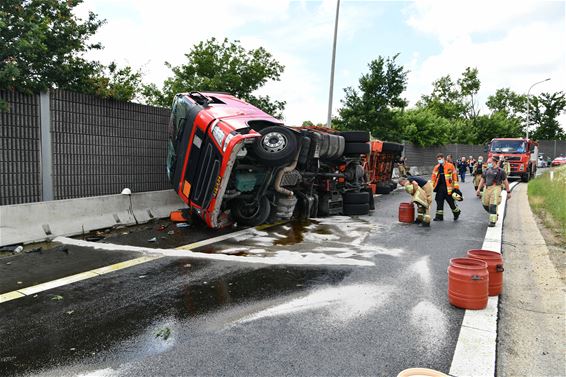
(521, 153)
(231, 162)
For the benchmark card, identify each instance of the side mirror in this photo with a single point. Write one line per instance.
(486, 147)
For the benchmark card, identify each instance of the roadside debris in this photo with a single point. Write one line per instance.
(18, 250)
(11, 249)
(154, 239)
(182, 225)
(94, 238)
(69, 312)
(63, 249)
(35, 250)
(56, 297)
(171, 232)
(163, 333)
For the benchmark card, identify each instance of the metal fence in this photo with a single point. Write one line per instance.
(61, 145)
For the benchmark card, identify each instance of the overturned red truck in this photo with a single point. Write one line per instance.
(231, 162)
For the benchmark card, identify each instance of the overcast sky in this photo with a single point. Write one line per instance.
(512, 43)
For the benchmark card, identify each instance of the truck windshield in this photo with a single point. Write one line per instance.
(508, 146)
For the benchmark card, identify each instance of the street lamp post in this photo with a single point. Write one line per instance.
(329, 119)
(529, 103)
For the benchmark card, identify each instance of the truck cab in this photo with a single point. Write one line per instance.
(232, 163)
(522, 155)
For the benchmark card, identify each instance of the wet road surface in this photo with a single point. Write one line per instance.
(182, 316)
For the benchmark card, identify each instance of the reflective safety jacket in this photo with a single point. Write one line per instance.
(450, 176)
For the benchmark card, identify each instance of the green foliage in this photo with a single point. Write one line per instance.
(454, 100)
(495, 125)
(423, 127)
(548, 197)
(42, 45)
(222, 66)
(545, 109)
(122, 84)
(374, 106)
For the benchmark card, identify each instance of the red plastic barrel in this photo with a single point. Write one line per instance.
(406, 212)
(494, 267)
(468, 283)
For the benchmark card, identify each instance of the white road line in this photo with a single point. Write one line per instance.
(23, 292)
(476, 348)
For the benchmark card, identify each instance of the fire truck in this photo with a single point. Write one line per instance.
(521, 153)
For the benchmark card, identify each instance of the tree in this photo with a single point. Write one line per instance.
(43, 44)
(222, 66)
(373, 108)
(545, 109)
(495, 125)
(454, 100)
(423, 127)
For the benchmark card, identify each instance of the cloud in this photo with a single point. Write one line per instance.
(512, 44)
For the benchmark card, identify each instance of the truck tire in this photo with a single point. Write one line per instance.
(355, 209)
(356, 148)
(250, 213)
(392, 185)
(351, 197)
(525, 177)
(391, 147)
(382, 188)
(276, 146)
(323, 206)
(355, 136)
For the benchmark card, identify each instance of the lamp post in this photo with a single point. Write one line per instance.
(529, 103)
(329, 119)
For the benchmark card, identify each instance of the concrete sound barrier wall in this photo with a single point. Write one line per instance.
(33, 222)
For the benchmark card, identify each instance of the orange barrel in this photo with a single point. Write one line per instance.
(468, 283)
(406, 212)
(494, 267)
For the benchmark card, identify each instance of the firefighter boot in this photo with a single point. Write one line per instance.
(439, 216)
(492, 215)
(456, 212)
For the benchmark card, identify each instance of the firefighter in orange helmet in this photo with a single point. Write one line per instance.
(445, 181)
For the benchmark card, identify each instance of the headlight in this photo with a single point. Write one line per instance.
(521, 167)
(218, 134)
(227, 141)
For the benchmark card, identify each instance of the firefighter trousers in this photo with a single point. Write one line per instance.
(491, 198)
(440, 197)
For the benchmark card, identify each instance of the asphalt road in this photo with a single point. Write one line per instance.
(183, 316)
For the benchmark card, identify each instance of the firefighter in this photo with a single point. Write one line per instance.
(421, 192)
(492, 178)
(402, 166)
(505, 165)
(479, 167)
(445, 181)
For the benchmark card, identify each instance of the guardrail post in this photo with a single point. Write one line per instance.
(46, 163)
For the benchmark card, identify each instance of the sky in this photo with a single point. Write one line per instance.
(512, 43)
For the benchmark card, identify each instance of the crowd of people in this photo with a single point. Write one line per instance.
(489, 179)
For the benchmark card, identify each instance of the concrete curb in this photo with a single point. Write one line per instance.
(475, 352)
(32, 222)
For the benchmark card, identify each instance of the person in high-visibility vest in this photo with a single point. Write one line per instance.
(421, 194)
(493, 178)
(479, 167)
(445, 181)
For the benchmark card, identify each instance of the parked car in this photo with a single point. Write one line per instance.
(231, 162)
(558, 161)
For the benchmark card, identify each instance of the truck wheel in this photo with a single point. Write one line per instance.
(323, 206)
(391, 147)
(355, 209)
(382, 188)
(355, 136)
(356, 148)
(355, 197)
(276, 146)
(250, 212)
(525, 177)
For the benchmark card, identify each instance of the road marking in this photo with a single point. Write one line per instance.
(476, 347)
(118, 266)
(73, 278)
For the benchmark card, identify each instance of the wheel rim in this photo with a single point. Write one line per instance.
(249, 210)
(274, 142)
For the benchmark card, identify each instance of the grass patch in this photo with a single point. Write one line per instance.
(548, 199)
